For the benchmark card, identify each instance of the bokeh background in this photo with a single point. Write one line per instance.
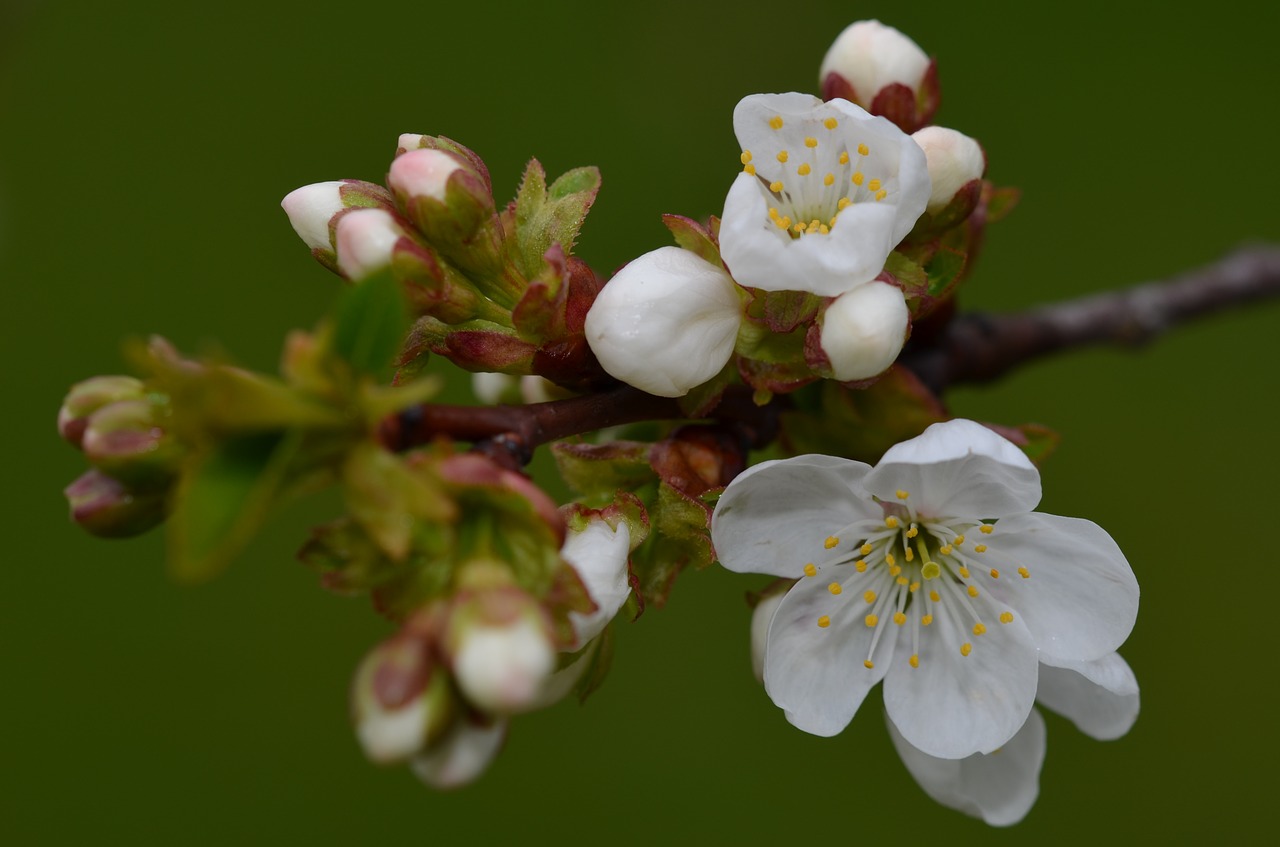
(144, 148)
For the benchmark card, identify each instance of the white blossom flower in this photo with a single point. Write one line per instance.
(665, 323)
(863, 330)
(870, 56)
(599, 554)
(954, 159)
(930, 572)
(826, 192)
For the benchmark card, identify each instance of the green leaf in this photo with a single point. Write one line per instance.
(679, 540)
(222, 499)
(370, 320)
(547, 216)
(602, 470)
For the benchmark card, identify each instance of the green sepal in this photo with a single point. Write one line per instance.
(1039, 442)
(598, 665)
(908, 273)
(387, 497)
(370, 320)
(701, 400)
(694, 237)
(999, 202)
(601, 470)
(679, 540)
(551, 215)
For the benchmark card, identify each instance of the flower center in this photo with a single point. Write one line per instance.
(916, 572)
(815, 173)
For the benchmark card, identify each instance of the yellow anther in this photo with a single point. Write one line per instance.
(903, 495)
(979, 629)
(782, 223)
(935, 597)
(824, 621)
(881, 194)
(830, 542)
(857, 178)
(959, 540)
(844, 203)
(869, 597)
(810, 570)
(995, 574)
(1006, 617)
(775, 186)
(895, 569)
(749, 170)
(804, 169)
(911, 554)
(980, 548)
(899, 618)
(831, 222)
(926, 620)
(824, 229)
(815, 223)
(800, 227)
(914, 661)
(834, 588)
(782, 156)
(860, 566)
(773, 213)
(913, 531)
(863, 150)
(890, 560)
(964, 572)
(874, 185)
(902, 580)
(966, 648)
(810, 142)
(986, 529)
(1024, 573)
(829, 179)
(831, 123)
(844, 158)
(891, 522)
(776, 122)
(931, 570)
(973, 591)
(945, 549)
(745, 157)
(914, 586)
(865, 549)
(868, 664)
(871, 620)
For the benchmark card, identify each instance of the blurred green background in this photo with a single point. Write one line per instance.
(143, 153)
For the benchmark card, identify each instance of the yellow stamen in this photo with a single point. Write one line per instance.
(913, 587)
(810, 570)
(830, 542)
(800, 227)
(860, 566)
(857, 178)
(775, 186)
(986, 529)
(745, 157)
(903, 495)
(902, 580)
(966, 648)
(881, 194)
(749, 170)
(868, 664)
(911, 554)
(869, 597)
(773, 213)
(782, 156)
(844, 203)
(831, 123)
(865, 549)
(776, 122)
(973, 591)
(844, 158)
(964, 572)
(913, 531)
(834, 588)
(810, 142)
(1006, 617)
(926, 620)
(871, 620)
(979, 629)
(891, 522)
(914, 661)
(1024, 573)
(824, 229)
(863, 150)
(874, 185)
(804, 169)
(935, 596)
(959, 540)
(981, 548)
(995, 574)
(945, 549)
(895, 569)
(829, 179)
(899, 618)
(824, 621)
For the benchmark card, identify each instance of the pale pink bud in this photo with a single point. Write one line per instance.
(366, 238)
(954, 159)
(870, 56)
(422, 173)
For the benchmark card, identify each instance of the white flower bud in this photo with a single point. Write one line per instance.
(399, 701)
(761, 617)
(310, 208)
(599, 554)
(365, 240)
(422, 173)
(536, 389)
(461, 755)
(665, 323)
(954, 159)
(870, 55)
(409, 141)
(493, 388)
(863, 330)
(502, 667)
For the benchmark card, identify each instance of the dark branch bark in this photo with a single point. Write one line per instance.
(972, 348)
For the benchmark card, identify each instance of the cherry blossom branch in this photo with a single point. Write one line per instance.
(978, 347)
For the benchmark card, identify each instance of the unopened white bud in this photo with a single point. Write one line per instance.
(409, 141)
(400, 702)
(366, 238)
(461, 755)
(310, 209)
(870, 55)
(502, 667)
(422, 173)
(665, 323)
(761, 617)
(954, 159)
(599, 554)
(864, 329)
(493, 388)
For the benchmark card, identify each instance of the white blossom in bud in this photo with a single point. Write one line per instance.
(870, 55)
(409, 141)
(954, 159)
(501, 667)
(365, 240)
(599, 553)
(422, 173)
(492, 388)
(310, 208)
(399, 701)
(825, 194)
(665, 323)
(863, 330)
(462, 755)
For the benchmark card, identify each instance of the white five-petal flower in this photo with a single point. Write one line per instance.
(930, 572)
(826, 192)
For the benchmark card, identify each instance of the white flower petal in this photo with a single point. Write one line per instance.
(599, 554)
(775, 517)
(1079, 598)
(958, 469)
(1099, 697)
(460, 756)
(816, 674)
(761, 618)
(309, 209)
(999, 787)
(864, 329)
(953, 705)
(665, 323)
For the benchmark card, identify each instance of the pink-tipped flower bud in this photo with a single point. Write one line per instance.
(107, 508)
(366, 239)
(954, 160)
(89, 396)
(400, 699)
(126, 440)
(422, 173)
(443, 194)
(310, 208)
(502, 649)
(883, 71)
(863, 330)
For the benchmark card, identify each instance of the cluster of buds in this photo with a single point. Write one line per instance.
(840, 230)
(493, 290)
(119, 425)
